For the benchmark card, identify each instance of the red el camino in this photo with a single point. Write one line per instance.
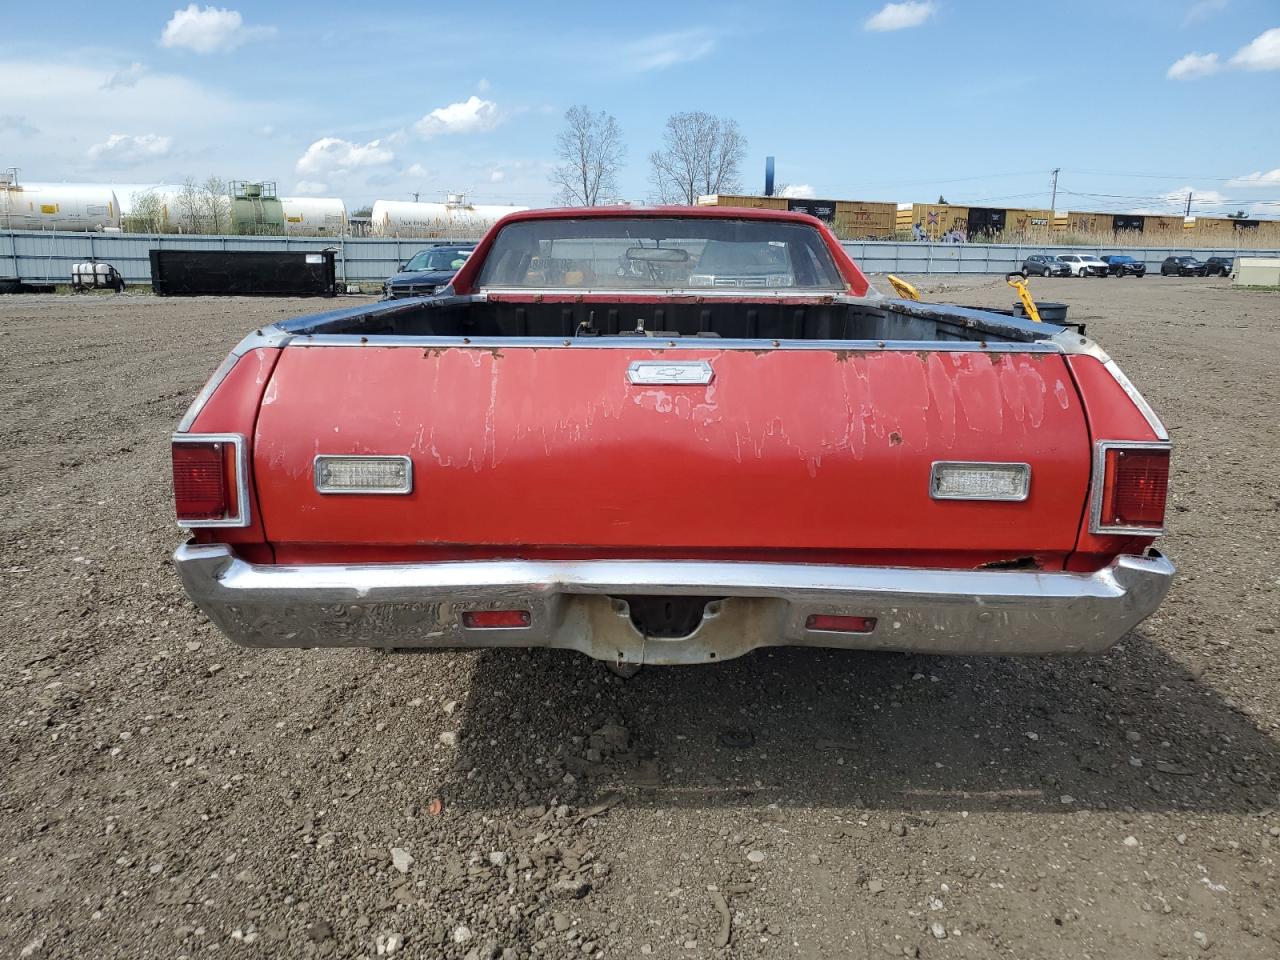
(671, 435)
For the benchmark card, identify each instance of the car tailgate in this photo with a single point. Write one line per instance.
(519, 448)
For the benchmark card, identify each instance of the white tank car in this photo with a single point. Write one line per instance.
(58, 206)
(314, 216)
(453, 219)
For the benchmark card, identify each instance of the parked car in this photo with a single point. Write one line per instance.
(581, 447)
(1084, 265)
(1119, 265)
(1045, 265)
(427, 271)
(1182, 267)
(1219, 266)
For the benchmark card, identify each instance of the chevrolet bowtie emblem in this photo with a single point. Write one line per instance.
(670, 372)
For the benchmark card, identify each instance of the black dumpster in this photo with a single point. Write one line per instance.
(251, 273)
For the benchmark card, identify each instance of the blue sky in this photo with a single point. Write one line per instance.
(1136, 101)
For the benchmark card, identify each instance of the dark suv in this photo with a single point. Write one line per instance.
(1044, 265)
(1181, 267)
(1123, 266)
(428, 271)
(1216, 266)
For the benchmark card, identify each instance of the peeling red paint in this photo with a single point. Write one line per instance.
(784, 449)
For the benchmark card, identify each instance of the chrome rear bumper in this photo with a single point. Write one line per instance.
(576, 605)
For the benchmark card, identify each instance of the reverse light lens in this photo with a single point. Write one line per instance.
(839, 624)
(200, 490)
(496, 619)
(336, 474)
(1135, 487)
(980, 481)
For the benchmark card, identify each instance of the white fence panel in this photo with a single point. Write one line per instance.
(43, 257)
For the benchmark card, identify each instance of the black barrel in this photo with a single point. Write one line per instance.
(1049, 312)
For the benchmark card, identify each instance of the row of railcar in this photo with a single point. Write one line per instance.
(255, 210)
(98, 208)
(872, 220)
(251, 209)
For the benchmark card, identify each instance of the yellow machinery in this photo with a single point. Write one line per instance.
(1019, 283)
(905, 290)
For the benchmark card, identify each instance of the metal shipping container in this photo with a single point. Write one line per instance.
(1228, 230)
(1029, 223)
(739, 200)
(859, 219)
(935, 219)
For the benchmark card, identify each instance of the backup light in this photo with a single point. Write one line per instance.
(362, 474)
(959, 480)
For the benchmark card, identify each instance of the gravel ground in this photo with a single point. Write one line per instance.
(166, 794)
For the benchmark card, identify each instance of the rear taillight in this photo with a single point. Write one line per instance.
(1130, 487)
(209, 488)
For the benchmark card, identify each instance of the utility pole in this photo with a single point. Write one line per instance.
(415, 196)
(1053, 200)
(1188, 213)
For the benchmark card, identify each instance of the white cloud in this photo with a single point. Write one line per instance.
(208, 127)
(900, 16)
(1271, 178)
(121, 149)
(1260, 53)
(209, 30)
(483, 85)
(496, 176)
(667, 49)
(472, 115)
(1193, 65)
(330, 155)
(309, 188)
(1203, 10)
(797, 190)
(1174, 203)
(415, 170)
(124, 78)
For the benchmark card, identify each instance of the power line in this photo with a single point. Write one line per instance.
(1155, 176)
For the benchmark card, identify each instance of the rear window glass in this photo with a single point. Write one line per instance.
(649, 253)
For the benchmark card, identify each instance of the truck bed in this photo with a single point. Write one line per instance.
(771, 318)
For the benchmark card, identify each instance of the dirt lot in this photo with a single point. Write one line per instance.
(166, 794)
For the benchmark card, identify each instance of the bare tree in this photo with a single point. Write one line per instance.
(590, 150)
(700, 154)
(190, 204)
(215, 205)
(147, 213)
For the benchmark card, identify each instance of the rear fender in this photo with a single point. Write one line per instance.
(1114, 410)
(229, 403)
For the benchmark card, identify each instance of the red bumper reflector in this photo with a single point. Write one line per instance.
(200, 481)
(835, 624)
(495, 619)
(1135, 487)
